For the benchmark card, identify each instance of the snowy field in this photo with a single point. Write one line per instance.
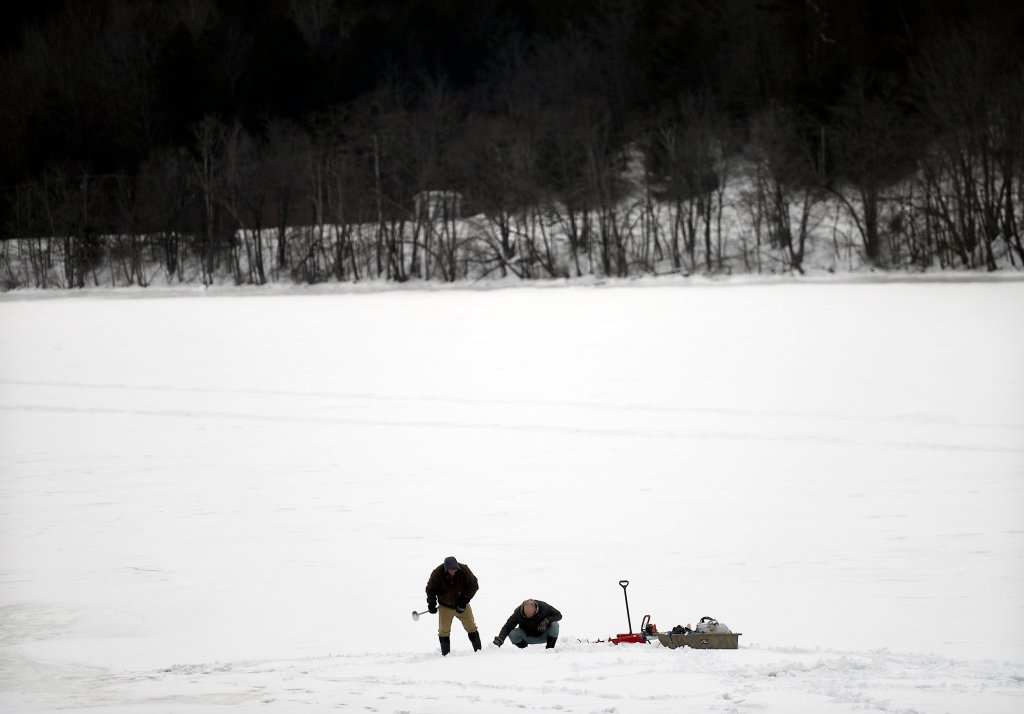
(232, 502)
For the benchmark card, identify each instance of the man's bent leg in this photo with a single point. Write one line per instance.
(466, 618)
(444, 620)
(517, 636)
(552, 633)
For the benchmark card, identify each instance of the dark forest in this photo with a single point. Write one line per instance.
(260, 139)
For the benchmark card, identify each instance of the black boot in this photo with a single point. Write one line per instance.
(474, 637)
(521, 644)
(551, 642)
(446, 645)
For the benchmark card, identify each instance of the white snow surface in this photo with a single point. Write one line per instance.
(232, 500)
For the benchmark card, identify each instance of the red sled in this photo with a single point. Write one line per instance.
(628, 637)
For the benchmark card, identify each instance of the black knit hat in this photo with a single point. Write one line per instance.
(450, 563)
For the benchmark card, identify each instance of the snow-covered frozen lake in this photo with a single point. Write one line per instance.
(234, 500)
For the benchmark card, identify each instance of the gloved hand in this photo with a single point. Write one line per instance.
(460, 609)
(542, 626)
(432, 608)
(460, 605)
(497, 642)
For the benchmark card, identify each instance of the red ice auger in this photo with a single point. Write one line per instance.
(646, 628)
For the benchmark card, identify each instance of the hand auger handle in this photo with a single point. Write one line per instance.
(625, 584)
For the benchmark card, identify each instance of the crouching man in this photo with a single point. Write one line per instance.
(533, 623)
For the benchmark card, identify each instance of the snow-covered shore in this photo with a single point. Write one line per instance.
(236, 502)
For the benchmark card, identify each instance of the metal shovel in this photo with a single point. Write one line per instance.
(628, 636)
(625, 584)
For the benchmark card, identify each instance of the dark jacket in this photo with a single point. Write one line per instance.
(455, 591)
(529, 624)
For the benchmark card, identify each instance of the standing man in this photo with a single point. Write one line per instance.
(534, 622)
(452, 585)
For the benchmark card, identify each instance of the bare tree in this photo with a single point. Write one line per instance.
(685, 153)
(286, 150)
(969, 80)
(788, 183)
(210, 137)
(165, 187)
(245, 197)
(873, 151)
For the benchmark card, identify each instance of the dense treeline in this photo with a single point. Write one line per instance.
(333, 139)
